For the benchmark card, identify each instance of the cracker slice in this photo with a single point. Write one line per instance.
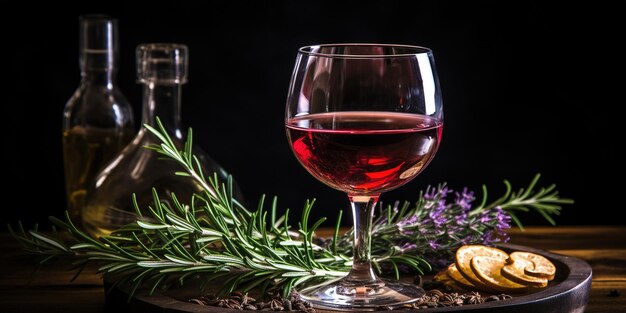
(488, 270)
(442, 276)
(539, 267)
(464, 257)
(454, 273)
(515, 272)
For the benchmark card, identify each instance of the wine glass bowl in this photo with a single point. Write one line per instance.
(363, 119)
(362, 152)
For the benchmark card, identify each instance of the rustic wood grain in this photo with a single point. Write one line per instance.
(50, 289)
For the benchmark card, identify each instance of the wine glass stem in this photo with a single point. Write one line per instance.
(362, 215)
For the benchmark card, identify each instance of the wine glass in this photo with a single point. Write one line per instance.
(363, 119)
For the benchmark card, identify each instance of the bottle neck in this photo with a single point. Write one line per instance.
(163, 101)
(105, 78)
(98, 67)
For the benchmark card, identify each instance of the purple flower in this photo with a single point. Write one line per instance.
(430, 193)
(437, 215)
(407, 221)
(485, 217)
(408, 246)
(502, 218)
(434, 193)
(433, 244)
(460, 219)
(492, 237)
(488, 238)
(498, 222)
(453, 230)
(465, 199)
(443, 223)
(467, 239)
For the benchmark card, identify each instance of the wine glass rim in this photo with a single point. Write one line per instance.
(312, 50)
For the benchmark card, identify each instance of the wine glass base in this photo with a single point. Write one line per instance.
(340, 295)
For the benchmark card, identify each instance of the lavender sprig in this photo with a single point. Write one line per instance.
(442, 220)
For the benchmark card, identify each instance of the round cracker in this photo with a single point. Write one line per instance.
(488, 270)
(464, 257)
(456, 276)
(515, 272)
(539, 267)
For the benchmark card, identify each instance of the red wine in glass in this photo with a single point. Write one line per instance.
(364, 152)
(363, 119)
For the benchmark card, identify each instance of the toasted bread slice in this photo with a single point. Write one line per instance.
(539, 267)
(488, 270)
(453, 273)
(515, 272)
(464, 257)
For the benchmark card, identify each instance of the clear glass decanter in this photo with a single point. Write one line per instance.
(97, 120)
(162, 69)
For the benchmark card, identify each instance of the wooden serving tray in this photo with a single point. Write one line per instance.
(567, 293)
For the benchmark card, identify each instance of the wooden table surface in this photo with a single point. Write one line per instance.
(50, 289)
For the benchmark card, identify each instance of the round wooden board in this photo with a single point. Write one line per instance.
(567, 293)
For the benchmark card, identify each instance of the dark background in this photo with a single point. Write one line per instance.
(529, 86)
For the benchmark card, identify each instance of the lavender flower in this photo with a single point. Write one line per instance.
(464, 199)
(442, 220)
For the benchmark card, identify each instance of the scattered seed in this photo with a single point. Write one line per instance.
(249, 307)
(432, 304)
(504, 297)
(492, 298)
(434, 298)
(435, 293)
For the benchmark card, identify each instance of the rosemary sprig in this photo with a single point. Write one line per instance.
(213, 236)
(545, 201)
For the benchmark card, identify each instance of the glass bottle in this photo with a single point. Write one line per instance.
(162, 70)
(97, 119)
